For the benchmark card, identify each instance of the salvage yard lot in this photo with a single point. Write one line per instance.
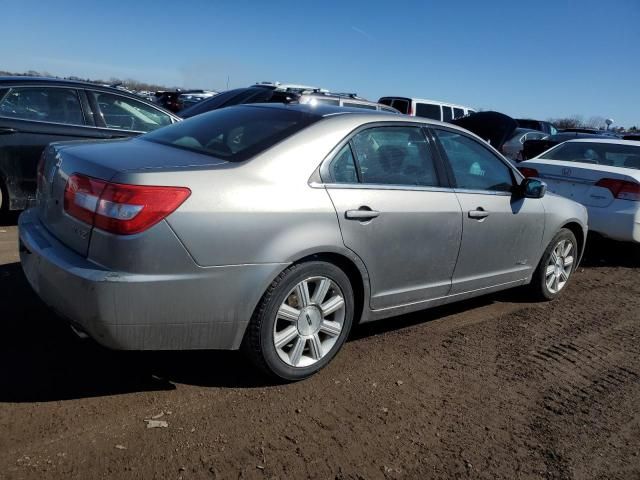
(497, 387)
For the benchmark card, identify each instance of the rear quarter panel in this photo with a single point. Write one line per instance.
(263, 210)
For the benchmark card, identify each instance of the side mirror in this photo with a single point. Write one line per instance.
(532, 188)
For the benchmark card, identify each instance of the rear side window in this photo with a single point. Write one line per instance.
(44, 104)
(474, 166)
(235, 133)
(447, 114)
(127, 114)
(428, 110)
(343, 167)
(395, 156)
(458, 113)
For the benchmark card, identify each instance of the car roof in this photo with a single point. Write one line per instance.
(358, 115)
(617, 141)
(53, 81)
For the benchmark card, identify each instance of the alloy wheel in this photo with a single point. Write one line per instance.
(309, 321)
(559, 266)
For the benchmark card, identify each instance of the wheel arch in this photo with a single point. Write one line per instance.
(355, 271)
(578, 232)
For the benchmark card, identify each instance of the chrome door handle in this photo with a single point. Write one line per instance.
(478, 214)
(363, 213)
(7, 130)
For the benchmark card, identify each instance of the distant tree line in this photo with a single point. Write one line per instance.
(577, 121)
(128, 83)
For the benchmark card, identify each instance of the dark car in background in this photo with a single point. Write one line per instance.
(238, 96)
(275, 93)
(37, 111)
(540, 125)
(172, 100)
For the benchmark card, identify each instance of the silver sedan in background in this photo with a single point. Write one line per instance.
(274, 228)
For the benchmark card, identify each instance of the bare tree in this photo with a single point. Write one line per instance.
(568, 122)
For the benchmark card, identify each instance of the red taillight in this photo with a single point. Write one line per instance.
(529, 172)
(119, 208)
(621, 189)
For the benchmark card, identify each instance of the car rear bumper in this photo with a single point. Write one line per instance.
(208, 308)
(619, 221)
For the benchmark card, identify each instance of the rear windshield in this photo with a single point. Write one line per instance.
(234, 133)
(611, 154)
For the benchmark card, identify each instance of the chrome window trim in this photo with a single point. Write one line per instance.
(499, 193)
(382, 186)
(411, 188)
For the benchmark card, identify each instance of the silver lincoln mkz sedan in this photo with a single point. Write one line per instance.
(275, 227)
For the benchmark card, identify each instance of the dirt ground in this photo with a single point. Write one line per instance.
(492, 388)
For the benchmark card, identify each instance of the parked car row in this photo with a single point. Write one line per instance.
(186, 236)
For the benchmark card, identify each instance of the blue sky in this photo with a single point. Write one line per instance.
(539, 59)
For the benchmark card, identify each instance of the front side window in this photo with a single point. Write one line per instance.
(428, 110)
(44, 104)
(458, 113)
(395, 156)
(474, 166)
(125, 113)
(234, 133)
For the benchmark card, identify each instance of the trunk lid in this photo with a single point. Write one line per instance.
(577, 181)
(101, 160)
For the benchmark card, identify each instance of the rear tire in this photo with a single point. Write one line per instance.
(556, 266)
(301, 322)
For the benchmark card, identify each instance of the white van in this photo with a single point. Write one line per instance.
(418, 107)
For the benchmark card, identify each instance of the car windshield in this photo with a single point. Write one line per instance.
(234, 133)
(611, 154)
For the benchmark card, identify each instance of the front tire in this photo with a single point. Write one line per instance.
(301, 322)
(556, 266)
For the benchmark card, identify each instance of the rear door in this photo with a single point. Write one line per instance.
(386, 186)
(30, 118)
(502, 234)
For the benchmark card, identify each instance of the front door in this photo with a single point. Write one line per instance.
(502, 233)
(385, 186)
